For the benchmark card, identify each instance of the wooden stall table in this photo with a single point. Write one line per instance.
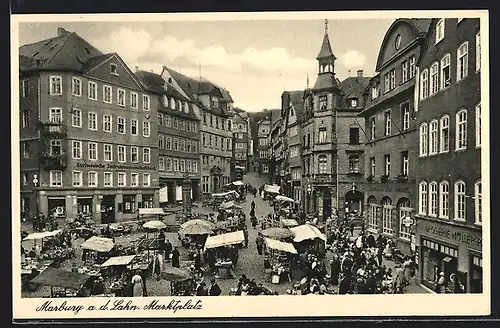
(30, 269)
(70, 284)
(226, 267)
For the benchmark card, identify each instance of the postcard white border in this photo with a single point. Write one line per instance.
(266, 306)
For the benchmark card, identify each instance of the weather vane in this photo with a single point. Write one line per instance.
(326, 26)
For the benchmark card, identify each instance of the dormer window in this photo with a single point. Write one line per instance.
(172, 103)
(113, 69)
(215, 102)
(374, 92)
(186, 108)
(354, 102)
(165, 101)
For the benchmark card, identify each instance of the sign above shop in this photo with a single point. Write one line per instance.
(407, 221)
(116, 166)
(404, 190)
(455, 234)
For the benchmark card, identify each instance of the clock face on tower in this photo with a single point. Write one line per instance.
(398, 42)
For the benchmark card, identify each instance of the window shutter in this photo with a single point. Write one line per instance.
(329, 101)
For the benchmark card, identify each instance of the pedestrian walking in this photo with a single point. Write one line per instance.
(214, 288)
(175, 257)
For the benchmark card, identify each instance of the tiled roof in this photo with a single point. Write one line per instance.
(326, 49)
(297, 99)
(275, 115)
(354, 87)
(421, 25)
(325, 81)
(96, 60)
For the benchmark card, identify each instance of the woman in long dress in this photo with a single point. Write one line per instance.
(138, 287)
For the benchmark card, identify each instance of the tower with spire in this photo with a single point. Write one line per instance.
(326, 64)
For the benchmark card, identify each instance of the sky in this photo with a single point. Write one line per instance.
(255, 60)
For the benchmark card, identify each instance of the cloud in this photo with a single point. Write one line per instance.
(353, 59)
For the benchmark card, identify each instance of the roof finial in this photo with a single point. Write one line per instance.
(307, 81)
(326, 26)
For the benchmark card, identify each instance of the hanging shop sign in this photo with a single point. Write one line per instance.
(403, 190)
(116, 166)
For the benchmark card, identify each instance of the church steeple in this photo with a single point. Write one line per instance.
(326, 58)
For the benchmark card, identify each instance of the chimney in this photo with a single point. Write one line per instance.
(360, 73)
(136, 68)
(61, 31)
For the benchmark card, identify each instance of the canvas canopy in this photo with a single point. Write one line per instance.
(118, 260)
(42, 235)
(280, 246)
(289, 222)
(225, 239)
(238, 183)
(305, 232)
(59, 278)
(228, 193)
(151, 211)
(284, 199)
(154, 225)
(98, 244)
(272, 189)
(239, 167)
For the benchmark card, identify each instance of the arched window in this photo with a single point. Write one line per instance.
(182, 145)
(176, 145)
(387, 207)
(433, 137)
(404, 210)
(461, 130)
(444, 200)
(460, 200)
(186, 107)
(161, 164)
(424, 84)
(165, 101)
(179, 105)
(161, 142)
(434, 78)
(463, 61)
(168, 143)
(423, 200)
(372, 213)
(322, 164)
(433, 196)
(168, 166)
(172, 103)
(445, 71)
(444, 134)
(424, 144)
(478, 206)
(478, 125)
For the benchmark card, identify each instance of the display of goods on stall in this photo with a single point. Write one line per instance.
(279, 258)
(84, 232)
(58, 254)
(182, 281)
(278, 233)
(67, 283)
(289, 223)
(120, 229)
(98, 244)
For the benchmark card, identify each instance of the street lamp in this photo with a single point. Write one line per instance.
(35, 185)
(186, 194)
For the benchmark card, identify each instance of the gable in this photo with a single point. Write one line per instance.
(292, 115)
(123, 76)
(171, 82)
(388, 48)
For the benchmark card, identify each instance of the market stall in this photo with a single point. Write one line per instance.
(63, 283)
(115, 268)
(281, 234)
(96, 249)
(31, 268)
(289, 223)
(144, 213)
(182, 281)
(271, 191)
(309, 237)
(221, 252)
(50, 248)
(220, 198)
(197, 233)
(278, 259)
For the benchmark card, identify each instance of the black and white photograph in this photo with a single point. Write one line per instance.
(201, 158)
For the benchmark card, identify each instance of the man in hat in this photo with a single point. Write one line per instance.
(214, 288)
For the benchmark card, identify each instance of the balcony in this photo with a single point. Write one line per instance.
(54, 162)
(322, 178)
(53, 129)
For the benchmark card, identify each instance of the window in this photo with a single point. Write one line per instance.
(404, 212)
(405, 113)
(26, 149)
(444, 134)
(108, 179)
(55, 115)
(386, 83)
(134, 154)
(107, 95)
(434, 79)
(55, 85)
(322, 135)
(92, 151)
(444, 200)
(424, 84)
(393, 78)
(445, 71)
(176, 165)
(26, 119)
(92, 90)
(122, 179)
(133, 127)
(423, 198)
(55, 178)
(182, 165)
(387, 164)
(134, 179)
(374, 93)
(372, 214)
(129, 204)
(433, 137)
(461, 130)
(478, 206)
(77, 179)
(354, 136)
(433, 193)
(76, 87)
(460, 199)
(122, 155)
(205, 184)
(108, 153)
(424, 145)
(372, 166)
(372, 128)
(405, 163)
(92, 124)
(175, 144)
(478, 51)
(195, 166)
(265, 168)
(463, 61)
(160, 119)
(161, 164)
(55, 147)
(92, 179)
(26, 88)
(145, 129)
(194, 128)
(182, 125)
(388, 122)
(120, 125)
(412, 67)
(404, 71)
(113, 69)
(146, 155)
(322, 165)
(146, 179)
(440, 30)
(76, 149)
(387, 226)
(168, 164)
(182, 145)
(323, 100)
(161, 141)
(76, 118)
(354, 164)
(145, 102)
(133, 100)
(121, 97)
(168, 143)
(354, 103)
(478, 125)
(107, 122)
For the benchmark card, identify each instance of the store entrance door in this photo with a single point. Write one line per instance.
(108, 209)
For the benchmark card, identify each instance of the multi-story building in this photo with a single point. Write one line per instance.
(275, 150)
(331, 146)
(241, 135)
(292, 111)
(391, 138)
(263, 153)
(178, 139)
(448, 169)
(213, 106)
(88, 132)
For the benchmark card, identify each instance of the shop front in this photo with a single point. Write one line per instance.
(172, 190)
(452, 249)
